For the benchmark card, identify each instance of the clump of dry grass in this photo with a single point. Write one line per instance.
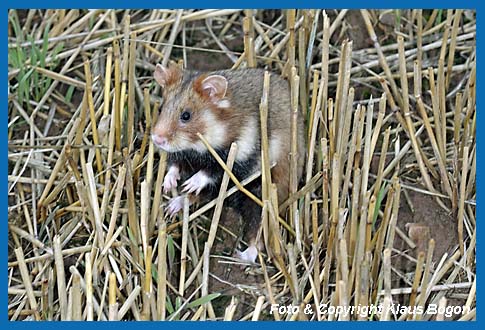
(88, 236)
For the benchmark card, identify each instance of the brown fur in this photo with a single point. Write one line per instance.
(173, 76)
(244, 91)
(197, 86)
(280, 177)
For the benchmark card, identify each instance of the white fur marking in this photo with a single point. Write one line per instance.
(274, 149)
(250, 254)
(216, 131)
(197, 182)
(199, 146)
(170, 180)
(224, 104)
(247, 140)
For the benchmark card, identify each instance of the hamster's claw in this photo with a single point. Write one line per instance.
(175, 205)
(196, 183)
(168, 183)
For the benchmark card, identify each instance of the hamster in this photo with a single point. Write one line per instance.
(223, 106)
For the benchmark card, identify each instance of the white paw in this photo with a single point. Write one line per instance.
(250, 254)
(175, 205)
(196, 183)
(170, 180)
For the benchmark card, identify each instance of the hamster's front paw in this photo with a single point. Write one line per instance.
(250, 254)
(196, 183)
(175, 205)
(170, 180)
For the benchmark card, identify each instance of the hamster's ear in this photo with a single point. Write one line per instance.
(166, 76)
(161, 75)
(214, 87)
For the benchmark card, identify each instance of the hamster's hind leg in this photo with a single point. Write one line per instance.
(251, 216)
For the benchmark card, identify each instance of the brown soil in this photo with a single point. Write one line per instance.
(425, 221)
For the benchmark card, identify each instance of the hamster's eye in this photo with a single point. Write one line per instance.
(185, 116)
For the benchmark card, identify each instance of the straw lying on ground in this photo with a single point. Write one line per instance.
(85, 181)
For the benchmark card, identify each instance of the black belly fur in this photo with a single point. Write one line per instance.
(190, 162)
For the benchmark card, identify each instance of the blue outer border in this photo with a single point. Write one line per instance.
(479, 178)
(226, 4)
(142, 4)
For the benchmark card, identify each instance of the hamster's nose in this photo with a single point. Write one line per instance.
(159, 140)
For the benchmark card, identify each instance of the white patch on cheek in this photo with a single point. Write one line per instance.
(224, 104)
(247, 140)
(216, 132)
(181, 142)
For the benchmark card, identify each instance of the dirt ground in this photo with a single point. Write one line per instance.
(420, 216)
(421, 221)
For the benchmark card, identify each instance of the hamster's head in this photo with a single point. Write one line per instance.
(192, 103)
